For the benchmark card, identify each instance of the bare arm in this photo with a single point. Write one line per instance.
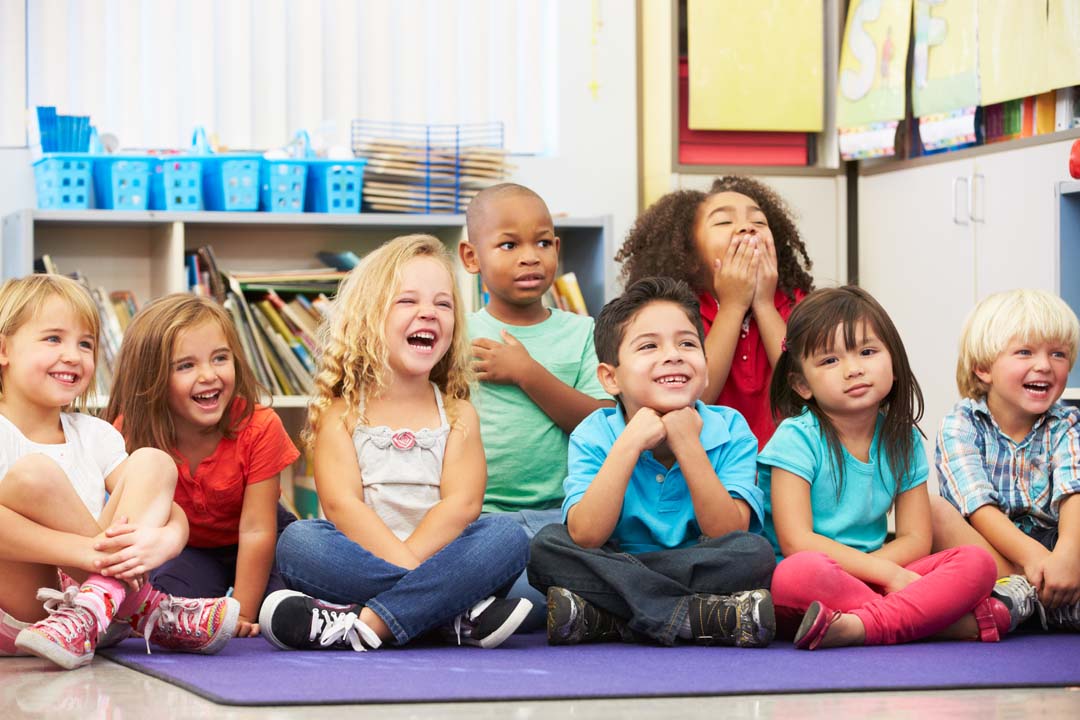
(461, 487)
(1059, 573)
(509, 363)
(341, 491)
(734, 285)
(23, 540)
(1014, 545)
(255, 553)
(592, 520)
(914, 529)
(716, 511)
(770, 323)
(794, 522)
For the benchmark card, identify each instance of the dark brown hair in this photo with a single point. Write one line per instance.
(616, 315)
(812, 327)
(140, 391)
(661, 242)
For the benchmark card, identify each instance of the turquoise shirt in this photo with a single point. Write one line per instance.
(525, 449)
(657, 511)
(858, 518)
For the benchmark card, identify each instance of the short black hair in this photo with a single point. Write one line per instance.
(612, 321)
(480, 203)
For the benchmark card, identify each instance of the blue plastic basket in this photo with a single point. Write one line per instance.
(122, 182)
(231, 182)
(64, 181)
(176, 183)
(283, 184)
(334, 186)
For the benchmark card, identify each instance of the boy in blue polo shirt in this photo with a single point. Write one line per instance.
(661, 515)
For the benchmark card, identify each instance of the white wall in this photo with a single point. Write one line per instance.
(594, 170)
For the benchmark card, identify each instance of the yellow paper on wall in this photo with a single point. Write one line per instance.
(872, 62)
(944, 71)
(1012, 50)
(1063, 43)
(756, 65)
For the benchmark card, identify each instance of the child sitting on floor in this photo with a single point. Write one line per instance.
(660, 495)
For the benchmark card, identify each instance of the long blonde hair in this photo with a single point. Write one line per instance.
(353, 357)
(21, 299)
(140, 392)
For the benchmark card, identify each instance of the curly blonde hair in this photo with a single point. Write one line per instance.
(353, 357)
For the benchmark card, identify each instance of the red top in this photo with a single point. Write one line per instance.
(213, 497)
(747, 386)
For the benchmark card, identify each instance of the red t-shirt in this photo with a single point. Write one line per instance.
(213, 497)
(747, 386)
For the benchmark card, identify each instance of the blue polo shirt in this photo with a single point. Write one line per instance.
(657, 511)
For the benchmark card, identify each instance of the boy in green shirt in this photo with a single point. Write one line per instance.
(536, 366)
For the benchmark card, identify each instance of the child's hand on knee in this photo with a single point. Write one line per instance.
(132, 551)
(1058, 577)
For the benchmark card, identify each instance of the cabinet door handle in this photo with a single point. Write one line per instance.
(978, 197)
(958, 217)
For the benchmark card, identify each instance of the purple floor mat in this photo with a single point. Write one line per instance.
(252, 672)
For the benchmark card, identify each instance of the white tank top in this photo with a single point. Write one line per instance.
(401, 469)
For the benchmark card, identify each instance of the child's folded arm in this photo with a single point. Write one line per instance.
(794, 522)
(22, 540)
(591, 521)
(461, 487)
(914, 529)
(1014, 545)
(566, 406)
(341, 492)
(1061, 569)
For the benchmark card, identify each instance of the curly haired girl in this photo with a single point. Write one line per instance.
(402, 551)
(739, 249)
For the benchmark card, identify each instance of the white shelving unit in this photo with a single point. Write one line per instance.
(144, 251)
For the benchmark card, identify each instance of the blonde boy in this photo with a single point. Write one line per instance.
(1008, 455)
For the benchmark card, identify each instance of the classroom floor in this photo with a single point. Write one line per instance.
(107, 691)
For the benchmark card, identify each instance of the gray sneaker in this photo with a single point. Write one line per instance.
(742, 619)
(571, 619)
(1019, 596)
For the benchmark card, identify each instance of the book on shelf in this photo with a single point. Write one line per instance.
(568, 294)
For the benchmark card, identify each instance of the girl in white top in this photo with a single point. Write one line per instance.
(56, 468)
(400, 476)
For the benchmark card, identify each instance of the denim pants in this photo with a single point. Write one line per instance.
(210, 572)
(651, 591)
(319, 560)
(532, 522)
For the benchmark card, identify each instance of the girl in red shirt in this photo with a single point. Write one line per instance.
(183, 385)
(738, 247)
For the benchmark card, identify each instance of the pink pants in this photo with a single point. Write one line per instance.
(953, 582)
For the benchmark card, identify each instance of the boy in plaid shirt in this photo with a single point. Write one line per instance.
(1008, 455)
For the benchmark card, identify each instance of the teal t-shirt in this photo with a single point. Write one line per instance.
(525, 449)
(858, 518)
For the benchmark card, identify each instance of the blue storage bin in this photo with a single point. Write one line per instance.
(122, 182)
(282, 185)
(64, 181)
(176, 183)
(231, 182)
(334, 186)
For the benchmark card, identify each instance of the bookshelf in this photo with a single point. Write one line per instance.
(1068, 237)
(144, 251)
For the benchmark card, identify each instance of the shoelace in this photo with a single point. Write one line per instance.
(1023, 597)
(470, 616)
(331, 627)
(69, 616)
(173, 612)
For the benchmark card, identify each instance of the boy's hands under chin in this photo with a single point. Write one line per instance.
(502, 363)
(645, 430)
(683, 426)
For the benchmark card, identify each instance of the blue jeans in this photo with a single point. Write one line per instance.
(317, 559)
(532, 522)
(651, 591)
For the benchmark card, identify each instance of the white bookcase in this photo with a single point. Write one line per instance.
(144, 251)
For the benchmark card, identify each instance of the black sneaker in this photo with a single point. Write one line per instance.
(571, 619)
(293, 621)
(488, 623)
(1062, 619)
(743, 619)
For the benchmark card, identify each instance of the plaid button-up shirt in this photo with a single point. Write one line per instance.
(978, 464)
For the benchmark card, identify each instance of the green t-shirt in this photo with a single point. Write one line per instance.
(525, 449)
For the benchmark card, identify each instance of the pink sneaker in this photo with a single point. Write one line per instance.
(195, 625)
(68, 636)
